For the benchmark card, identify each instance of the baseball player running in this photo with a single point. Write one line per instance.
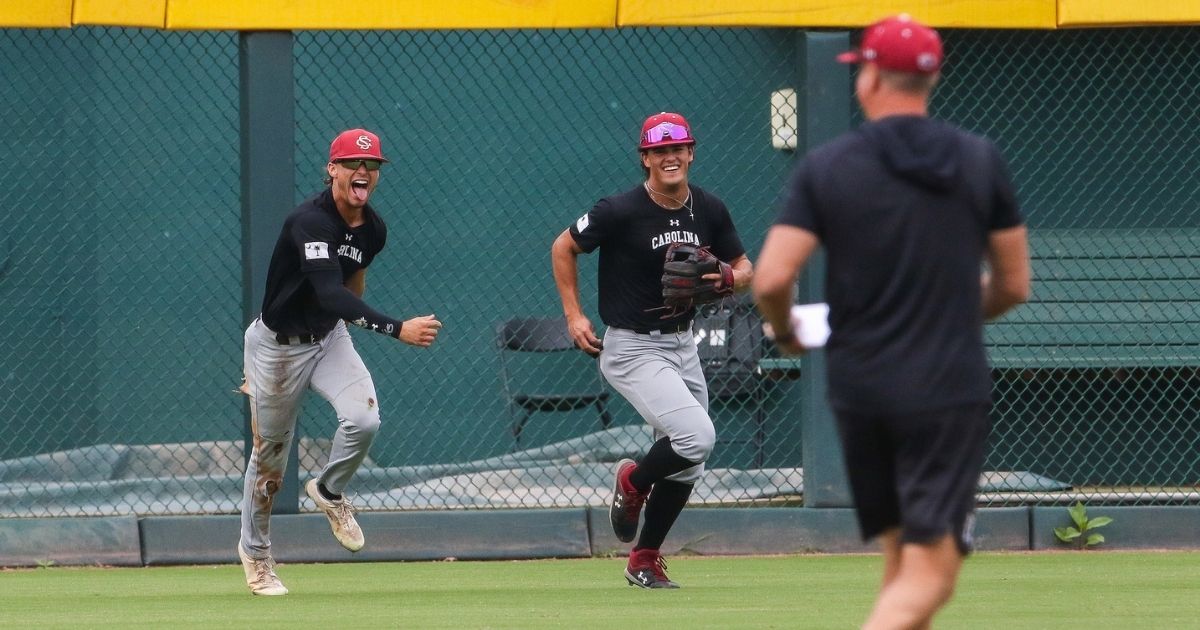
(648, 353)
(315, 284)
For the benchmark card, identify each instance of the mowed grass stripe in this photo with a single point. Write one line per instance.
(1039, 590)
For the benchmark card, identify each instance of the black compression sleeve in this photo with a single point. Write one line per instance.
(335, 298)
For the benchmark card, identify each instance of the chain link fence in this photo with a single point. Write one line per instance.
(1096, 383)
(120, 263)
(121, 285)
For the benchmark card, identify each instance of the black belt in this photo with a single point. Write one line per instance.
(665, 330)
(292, 340)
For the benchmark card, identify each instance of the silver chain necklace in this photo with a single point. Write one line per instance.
(686, 204)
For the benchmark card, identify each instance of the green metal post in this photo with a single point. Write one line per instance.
(268, 188)
(825, 99)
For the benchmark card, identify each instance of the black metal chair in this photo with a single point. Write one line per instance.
(541, 370)
(730, 343)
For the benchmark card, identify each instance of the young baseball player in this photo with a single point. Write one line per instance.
(315, 284)
(907, 209)
(648, 353)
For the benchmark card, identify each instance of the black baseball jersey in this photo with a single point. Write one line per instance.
(903, 207)
(315, 254)
(633, 233)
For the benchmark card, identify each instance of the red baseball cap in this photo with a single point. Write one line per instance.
(665, 129)
(354, 144)
(898, 43)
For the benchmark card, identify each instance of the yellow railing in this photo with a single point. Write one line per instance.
(465, 14)
(837, 13)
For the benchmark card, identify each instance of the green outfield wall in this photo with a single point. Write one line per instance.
(121, 269)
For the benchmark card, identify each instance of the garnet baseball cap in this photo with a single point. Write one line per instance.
(665, 129)
(898, 43)
(355, 144)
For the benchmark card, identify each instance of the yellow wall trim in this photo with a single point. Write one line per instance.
(480, 14)
(389, 14)
(838, 13)
(144, 13)
(1127, 12)
(35, 13)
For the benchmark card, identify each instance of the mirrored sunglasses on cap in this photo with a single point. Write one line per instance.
(668, 131)
(371, 165)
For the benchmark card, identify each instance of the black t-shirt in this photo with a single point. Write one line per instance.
(633, 234)
(903, 207)
(316, 253)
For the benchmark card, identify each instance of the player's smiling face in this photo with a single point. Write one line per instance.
(668, 165)
(352, 187)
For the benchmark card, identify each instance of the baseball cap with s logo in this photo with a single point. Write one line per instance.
(354, 144)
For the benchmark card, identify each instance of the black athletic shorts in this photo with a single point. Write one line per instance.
(916, 471)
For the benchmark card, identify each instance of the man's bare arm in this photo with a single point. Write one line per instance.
(784, 254)
(1008, 283)
(563, 254)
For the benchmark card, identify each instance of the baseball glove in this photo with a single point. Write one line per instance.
(683, 284)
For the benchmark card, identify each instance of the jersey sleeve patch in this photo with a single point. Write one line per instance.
(315, 250)
(581, 223)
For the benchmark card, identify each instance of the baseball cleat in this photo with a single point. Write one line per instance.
(260, 575)
(626, 507)
(647, 569)
(341, 517)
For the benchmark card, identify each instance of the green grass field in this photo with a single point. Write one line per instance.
(1010, 591)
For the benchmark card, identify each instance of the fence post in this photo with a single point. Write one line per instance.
(826, 103)
(268, 189)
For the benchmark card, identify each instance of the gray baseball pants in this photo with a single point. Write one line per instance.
(660, 375)
(277, 376)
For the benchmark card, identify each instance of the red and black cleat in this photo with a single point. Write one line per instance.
(626, 507)
(647, 569)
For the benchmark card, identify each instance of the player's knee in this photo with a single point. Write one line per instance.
(271, 455)
(697, 445)
(692, 433)
(701, 443)
(363, 424)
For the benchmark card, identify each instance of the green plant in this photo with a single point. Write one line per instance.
(45, 564)
(1082, 534)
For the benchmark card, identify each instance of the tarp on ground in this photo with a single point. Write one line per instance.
(206, 478)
